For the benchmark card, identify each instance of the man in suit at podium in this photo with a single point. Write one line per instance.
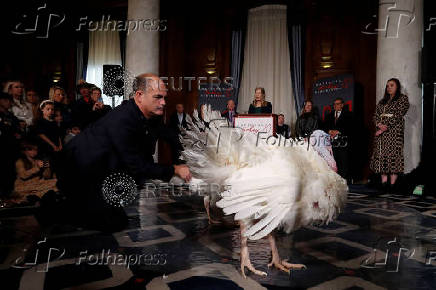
(178, 118)
(230, 112)
(338, 125)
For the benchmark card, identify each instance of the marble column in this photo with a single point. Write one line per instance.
(142, 45)
(399, 45)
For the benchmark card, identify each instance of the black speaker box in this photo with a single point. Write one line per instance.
(113, 80)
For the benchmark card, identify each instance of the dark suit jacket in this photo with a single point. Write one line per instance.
(225, 114)
(283, 130)
(264, 110)
(121, 141)
(174, 121)
(343, 124)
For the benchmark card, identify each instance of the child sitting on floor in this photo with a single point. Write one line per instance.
(33, 175)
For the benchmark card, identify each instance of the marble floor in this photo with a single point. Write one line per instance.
(378, 242)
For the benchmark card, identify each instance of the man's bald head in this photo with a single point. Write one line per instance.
(149, 94)
(147, 81)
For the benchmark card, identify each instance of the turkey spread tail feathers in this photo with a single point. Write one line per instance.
(268, 186)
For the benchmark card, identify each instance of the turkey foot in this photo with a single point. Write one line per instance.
(282, 265)
(245, 256)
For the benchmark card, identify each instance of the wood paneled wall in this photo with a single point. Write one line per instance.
(334, 34)
(197, 40)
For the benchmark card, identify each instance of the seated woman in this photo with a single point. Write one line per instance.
(259, 105)
(20, 107)
(33, 175)
(307, 122)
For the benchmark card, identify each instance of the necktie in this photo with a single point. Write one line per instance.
(336, 116)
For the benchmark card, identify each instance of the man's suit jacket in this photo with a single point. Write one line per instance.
(226, 114)
(283, 130)
(343, 124)
(174, 121)
(121, 141)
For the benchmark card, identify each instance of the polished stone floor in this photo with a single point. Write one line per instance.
(378, 242)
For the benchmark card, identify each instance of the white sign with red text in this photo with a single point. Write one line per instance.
(255, 124)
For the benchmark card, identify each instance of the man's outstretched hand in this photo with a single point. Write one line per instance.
(183, 172)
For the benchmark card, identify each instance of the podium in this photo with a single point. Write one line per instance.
(256, 123)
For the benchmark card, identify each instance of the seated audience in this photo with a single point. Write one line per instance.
(59, 120)
(98, 108)
(34, 176)
(82, 108)
(282, 128)
(259, 105)
(72, 132)
(307, 122)
(32, 98)
(9, 139)
(20, 107)
(58, 96)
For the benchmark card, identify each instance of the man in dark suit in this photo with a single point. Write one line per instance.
(123, 140)
(338, 125)
(282, 128)
(178, 118)
(230, 112)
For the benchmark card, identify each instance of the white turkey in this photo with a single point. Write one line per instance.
(266, 187)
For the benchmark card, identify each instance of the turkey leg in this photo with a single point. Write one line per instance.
(245, 256)
(279, 263)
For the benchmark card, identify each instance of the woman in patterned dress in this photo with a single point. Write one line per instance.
(387, 158)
